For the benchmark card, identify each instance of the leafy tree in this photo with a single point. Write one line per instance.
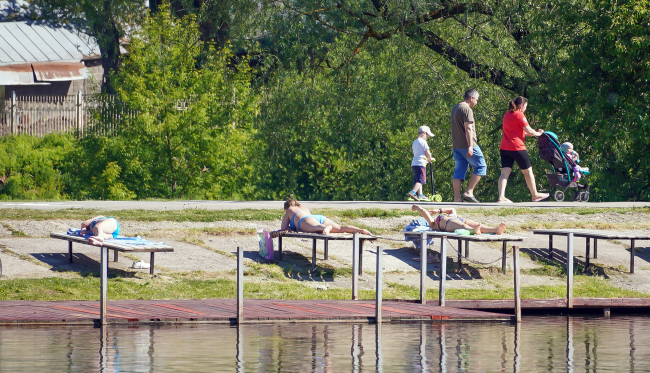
(190, 136)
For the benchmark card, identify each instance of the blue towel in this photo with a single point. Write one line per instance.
(417, 226)
(119, 239)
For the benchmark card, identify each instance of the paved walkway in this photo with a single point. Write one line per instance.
(277, 205)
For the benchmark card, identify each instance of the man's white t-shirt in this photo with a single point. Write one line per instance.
(420, 146)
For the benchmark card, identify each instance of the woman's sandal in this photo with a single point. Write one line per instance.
(540, 199)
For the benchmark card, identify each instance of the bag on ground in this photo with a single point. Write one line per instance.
(266, 244)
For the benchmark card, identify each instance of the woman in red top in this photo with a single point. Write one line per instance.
(513, 149)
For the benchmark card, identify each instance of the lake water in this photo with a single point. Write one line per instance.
(539, 344)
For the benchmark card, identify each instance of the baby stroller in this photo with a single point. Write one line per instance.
(561, 176)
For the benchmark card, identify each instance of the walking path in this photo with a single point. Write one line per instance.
(277, 205)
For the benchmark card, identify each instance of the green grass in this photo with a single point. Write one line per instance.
(192, 286)
(203, 215)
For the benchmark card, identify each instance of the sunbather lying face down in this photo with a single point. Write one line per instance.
(447, 221)
(100, 228)
(298, 218)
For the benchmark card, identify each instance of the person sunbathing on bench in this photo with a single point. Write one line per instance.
(298, 218)
(100, 228)
(448, 221)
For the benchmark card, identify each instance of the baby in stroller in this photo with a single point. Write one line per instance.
(567, 149)
(565, 173)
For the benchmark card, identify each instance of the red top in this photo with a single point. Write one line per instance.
(513, 131)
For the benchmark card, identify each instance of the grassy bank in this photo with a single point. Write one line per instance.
(194, 287)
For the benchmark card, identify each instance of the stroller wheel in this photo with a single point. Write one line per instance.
(584, 196)
(558, 195)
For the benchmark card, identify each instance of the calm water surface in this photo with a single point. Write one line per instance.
(540, 344)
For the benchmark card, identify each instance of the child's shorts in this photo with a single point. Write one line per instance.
(419, 174)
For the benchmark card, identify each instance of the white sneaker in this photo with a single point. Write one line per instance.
(141, 265)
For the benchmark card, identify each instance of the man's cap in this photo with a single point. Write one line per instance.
(426, 130)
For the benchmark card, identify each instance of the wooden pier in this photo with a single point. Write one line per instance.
(225, 311)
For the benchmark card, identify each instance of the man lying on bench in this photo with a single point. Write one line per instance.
(100, 228)
(448, 221)
(298, 218)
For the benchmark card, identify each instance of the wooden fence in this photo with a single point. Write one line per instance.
(39, 115)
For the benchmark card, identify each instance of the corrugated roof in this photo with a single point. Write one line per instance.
(21, 42)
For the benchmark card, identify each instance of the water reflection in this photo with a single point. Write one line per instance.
(548, 344)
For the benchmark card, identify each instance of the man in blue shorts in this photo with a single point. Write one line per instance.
(466, 151)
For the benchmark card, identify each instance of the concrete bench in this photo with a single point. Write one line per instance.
(596, 235)
(152, 249)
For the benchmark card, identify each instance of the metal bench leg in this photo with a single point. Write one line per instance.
(460, 255)
(326, 249)
(503, 256)
(595, 248)
(70, 251)
(280, 247)
(115, 255)
(313, 255)
(588, 249)
(466, 249)
(632, 257)
(550, 246)
(361, 257)
(151, 262)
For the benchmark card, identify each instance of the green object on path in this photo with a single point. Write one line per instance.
(462, 232)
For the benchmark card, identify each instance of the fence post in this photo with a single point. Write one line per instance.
(13, 112)
(515, 269)
(80, 125)
(355, 266)
(569, 271)
(443, 271)
(379, 289)
(240, 285)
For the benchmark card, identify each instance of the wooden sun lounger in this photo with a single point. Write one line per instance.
(326, 238)
(588, 234)
(505, 238)
(152, 249)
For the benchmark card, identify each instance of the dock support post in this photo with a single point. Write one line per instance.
(515, 269)
(607, 312)
(103, 275)
(504, 252)
(240, 285)
(70, 251)
(569, 271)
(443, 272)
(632, 249)
(423, 267)
(379, 288)
(355, 266)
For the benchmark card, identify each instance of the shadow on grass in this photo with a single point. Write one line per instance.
(556, 265)
(82, 264)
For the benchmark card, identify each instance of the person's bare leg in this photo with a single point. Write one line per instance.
(337, 228)
(471, 185)
(452, 225)
(457, 183)
(530, 182)
(503, 182)
(486, 228)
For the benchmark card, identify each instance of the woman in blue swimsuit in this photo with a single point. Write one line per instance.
(100, 228)
(298, 218)
(448, 221)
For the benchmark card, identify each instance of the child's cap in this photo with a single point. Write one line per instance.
(565, 146)
(426, 130)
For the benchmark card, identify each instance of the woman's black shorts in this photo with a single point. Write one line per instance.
(509, 157)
